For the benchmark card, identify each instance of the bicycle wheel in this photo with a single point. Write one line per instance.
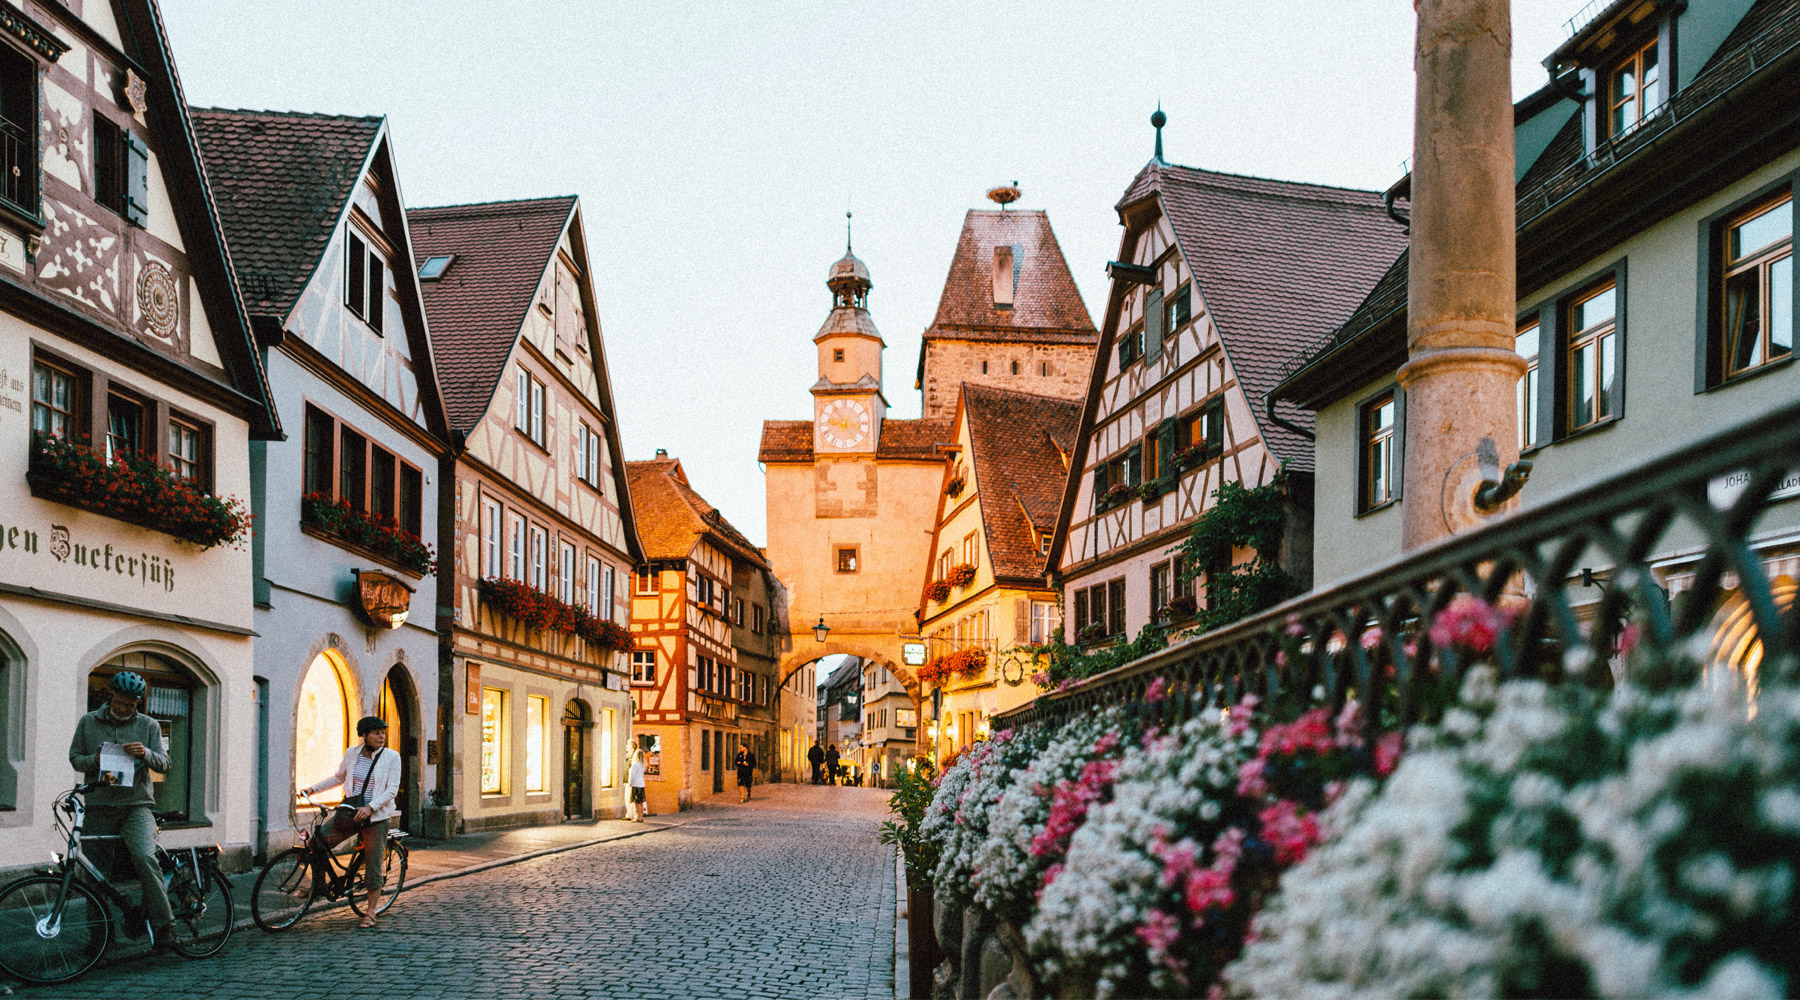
(37, 949)
(204, 911)
(284, 891)
(393, 879)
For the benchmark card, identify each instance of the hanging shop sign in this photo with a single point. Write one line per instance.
(382, 598)
(912, 654)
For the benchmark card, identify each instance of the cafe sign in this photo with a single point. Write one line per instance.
(382, 598)
(1724, 491)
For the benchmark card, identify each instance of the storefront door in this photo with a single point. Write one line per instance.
(395, 708)
(718, 767)
(577, 802)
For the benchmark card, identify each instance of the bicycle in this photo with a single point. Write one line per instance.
(55, 925)
(293, 880)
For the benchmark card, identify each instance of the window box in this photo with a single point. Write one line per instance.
(954, 487)
(1192, 457)
(381, 537)
(1091, 634)
(1181, 608)
(1116, 494)
(965, 663)
(938, 590)
(136, 490)
(961, 576)
(538, 610)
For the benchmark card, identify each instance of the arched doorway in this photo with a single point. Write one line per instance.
(1737, 647)
(171, 700)
(398, 708)
(323, 725)
(578, 798)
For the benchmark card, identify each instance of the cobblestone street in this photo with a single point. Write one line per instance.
(788, 896)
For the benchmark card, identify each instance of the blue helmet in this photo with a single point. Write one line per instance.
(129, 684)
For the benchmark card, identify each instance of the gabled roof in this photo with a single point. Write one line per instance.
(281, 180)
(792, 440)
(1018, 442)
(1046, 304)
(1279, 264)
(671, 517)
(478, 307)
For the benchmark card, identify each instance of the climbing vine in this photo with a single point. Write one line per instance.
(1240, 518)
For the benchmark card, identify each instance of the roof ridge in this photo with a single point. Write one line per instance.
(312, 115)
(1003, 391)
(1203, 172)
(496, 203)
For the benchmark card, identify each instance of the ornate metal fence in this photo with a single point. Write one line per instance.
(1701, 508)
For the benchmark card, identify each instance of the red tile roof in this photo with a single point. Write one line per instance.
(280, 179)
(1046, 304)
(478, 307)
(1279, 264)
(792, 440)
(671, 517)
(1019, 444)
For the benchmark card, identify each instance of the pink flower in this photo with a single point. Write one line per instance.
(1179, 860)
(1050, 875)
(1387, 753)
(1371, 637)
(1209, 887)
(1069, 805)
(1289, 832)
(1470, 624)
(1250, 779)
(1159, 930)
(1336, 643)
(1295, 627)
(1628, 639)
(1159, 689)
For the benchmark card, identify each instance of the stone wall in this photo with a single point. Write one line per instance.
(1059, 370)
(984, 958)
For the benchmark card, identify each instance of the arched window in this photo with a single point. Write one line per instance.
(322, 725)
(1737, 650)
(171, 701)
(12, 721)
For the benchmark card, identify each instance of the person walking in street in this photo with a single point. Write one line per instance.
(370, 772)
(817, 758)
(122, 805)
(831, 762)
(745, 762)
(635, 777)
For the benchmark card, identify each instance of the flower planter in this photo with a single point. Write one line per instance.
(922, 952)
(137, 491)
(380, 538)
(960, 576)
(938, 591)
(537, 610)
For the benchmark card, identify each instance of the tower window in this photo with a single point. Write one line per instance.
(1015, 368)
(1044, 368)
(984, 368)
(837, 354)
(1006, 277)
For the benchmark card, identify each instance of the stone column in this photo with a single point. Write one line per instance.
(1462, 372)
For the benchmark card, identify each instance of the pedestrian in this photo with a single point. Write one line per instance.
(370, 772)
(639, 807)
(831, 762)
(745, 761)
(817, 757)
(122, 804)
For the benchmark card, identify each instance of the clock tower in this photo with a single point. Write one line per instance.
(847, 403)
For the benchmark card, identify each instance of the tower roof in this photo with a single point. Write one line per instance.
(1045, 303)
(849, 268)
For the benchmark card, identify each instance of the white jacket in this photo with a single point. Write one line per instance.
(383, 782)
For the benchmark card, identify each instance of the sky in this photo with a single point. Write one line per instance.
(716, 148)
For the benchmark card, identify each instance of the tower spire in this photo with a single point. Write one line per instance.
(846, 230)
(1158, 120)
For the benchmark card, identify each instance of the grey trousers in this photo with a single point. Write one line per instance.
(137, 831)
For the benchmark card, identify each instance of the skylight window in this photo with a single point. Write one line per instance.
(434, 267)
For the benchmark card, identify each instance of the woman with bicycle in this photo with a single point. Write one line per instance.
(370, 773)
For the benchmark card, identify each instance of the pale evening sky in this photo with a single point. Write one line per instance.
(714, 147)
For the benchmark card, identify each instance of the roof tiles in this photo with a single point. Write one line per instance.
(1046, 302)
(671, 516)
(792, 440)
(1019, 444)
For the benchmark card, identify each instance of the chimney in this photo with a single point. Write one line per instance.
(662, 453)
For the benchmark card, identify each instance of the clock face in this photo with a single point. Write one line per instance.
(843, 423)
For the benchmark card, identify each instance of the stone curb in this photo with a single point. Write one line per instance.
(902, 947)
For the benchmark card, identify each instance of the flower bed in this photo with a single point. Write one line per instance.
(379, 535)
(138, 490)
(535, 609)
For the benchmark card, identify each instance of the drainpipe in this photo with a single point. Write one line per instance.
(1462, 371)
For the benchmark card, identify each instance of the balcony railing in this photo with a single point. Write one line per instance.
(18, 168)
(1696, 509)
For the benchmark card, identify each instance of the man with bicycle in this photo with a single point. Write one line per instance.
(123, 805)
(370, 776)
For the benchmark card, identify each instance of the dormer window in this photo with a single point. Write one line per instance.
(1635, 89)
(1006, 275)
(364, 284)
(434, 267)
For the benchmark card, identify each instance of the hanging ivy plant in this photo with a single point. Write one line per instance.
(1241, 518)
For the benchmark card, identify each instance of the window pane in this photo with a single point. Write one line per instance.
(1581, 379)
(381, 483)
(1382, 416)
(1528, 402)
(1652, 81)
(1624, 116)
(1380, 459)
(1526, 342)
(124, 427)
(1752, 235)
(50, 401)
(1743, 322)
(536, 742)
(1609, 370)
(1593, 311)
(1781, 308)
(352, 454)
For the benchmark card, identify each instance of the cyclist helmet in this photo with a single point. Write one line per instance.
(129, 684)
(369, 724)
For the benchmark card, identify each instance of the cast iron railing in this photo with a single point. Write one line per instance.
(18, 171)
(1697, 510)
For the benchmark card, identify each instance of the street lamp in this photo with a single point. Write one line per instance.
(821, 630)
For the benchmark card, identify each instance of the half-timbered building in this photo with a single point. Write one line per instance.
(346, 504)
(1219, 278)
(703, 679)
(130, 390)
(536, 535)
(986, 597)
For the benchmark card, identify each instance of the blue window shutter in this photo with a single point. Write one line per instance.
(137, 180)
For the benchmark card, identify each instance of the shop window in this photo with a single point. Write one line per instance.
(1591, 357)
(1526, 397)
(493, 741)
(322, 723)
(1758, 291)
(608, 720)
(174, 702)
(537, 744)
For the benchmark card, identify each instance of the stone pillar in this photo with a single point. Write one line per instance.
(1462, 372)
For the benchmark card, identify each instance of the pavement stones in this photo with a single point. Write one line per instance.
(789, 895)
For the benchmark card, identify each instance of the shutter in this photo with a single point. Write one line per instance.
(1100, 483)
(1124, 351)
(1165, 446)
(377, 292)
(1153, 321)
(1395, 473)
(1215, 427)
(1134, 464)
(137, 180)
(1115, 610)
(1021, 620)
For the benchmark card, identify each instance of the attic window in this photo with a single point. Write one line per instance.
(434, 267)
(1635, 89)
(1006, 275)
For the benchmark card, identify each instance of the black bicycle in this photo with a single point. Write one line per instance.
(293, 880)
(54, 926)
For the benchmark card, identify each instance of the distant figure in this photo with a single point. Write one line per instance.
(831, 762)
(817, 757)
(638, 808)
(745, 761)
